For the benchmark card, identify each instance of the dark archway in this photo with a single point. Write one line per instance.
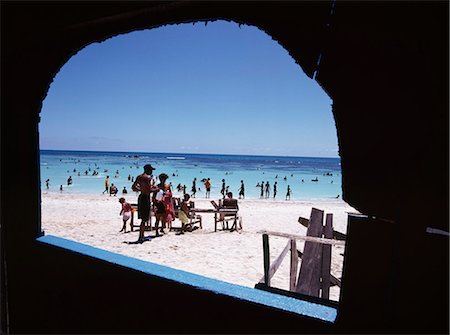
(385, 67)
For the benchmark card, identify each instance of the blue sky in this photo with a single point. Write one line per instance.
(188, 88)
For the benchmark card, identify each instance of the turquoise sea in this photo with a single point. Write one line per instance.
(58, 165)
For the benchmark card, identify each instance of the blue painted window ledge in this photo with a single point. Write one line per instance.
(285, 303)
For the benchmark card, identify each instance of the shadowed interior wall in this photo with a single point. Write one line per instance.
(385, 65)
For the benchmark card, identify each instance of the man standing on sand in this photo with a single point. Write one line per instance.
(242, 190)
(208, 187)
(144, 185)
(106, 185)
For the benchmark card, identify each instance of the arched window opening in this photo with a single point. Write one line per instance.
(222, 102)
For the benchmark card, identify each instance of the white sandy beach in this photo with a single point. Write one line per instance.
(229, 256)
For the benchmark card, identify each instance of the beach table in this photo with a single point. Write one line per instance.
(216, 212)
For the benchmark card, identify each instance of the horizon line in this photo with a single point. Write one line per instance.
(187, 153)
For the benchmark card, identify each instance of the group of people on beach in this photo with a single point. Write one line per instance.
(265, 190)
(157, 197)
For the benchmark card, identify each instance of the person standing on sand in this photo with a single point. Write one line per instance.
(222, 190)
(274, 190)
(162, 200)
(267, 189)
(242, 190)
(262, 189)
(106, 185)
(126, 214)
(144, 185)
(208, 187)
(194, 187)
(47, 183)
(288, 193)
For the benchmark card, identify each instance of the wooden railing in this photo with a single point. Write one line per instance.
(314, 277)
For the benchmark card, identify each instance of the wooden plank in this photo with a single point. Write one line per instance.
(339, 236)
(303, 221)
(311, 266)
(266, 259)
(319, 240)
(333, 280)
(294, 265)
(336, 234)
(276, 264)
(326, 257)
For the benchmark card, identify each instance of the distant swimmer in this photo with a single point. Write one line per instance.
(124, 191)
(337, 197)
(69, 181)
(285, 178)
(316, 179)
(60, 188)
(288, 193)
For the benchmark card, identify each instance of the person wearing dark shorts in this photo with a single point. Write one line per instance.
(144, 207)
(144, 184)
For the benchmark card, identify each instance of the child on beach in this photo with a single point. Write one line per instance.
(183, 213)
(126, 214)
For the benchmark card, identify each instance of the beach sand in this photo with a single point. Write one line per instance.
(234, 257)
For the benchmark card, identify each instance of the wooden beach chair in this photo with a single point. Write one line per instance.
(226, 213)
(134, 210)
(194, 218)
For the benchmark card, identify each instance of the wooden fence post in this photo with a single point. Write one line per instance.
(294, 265)
(326, 257)
(266, 259)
